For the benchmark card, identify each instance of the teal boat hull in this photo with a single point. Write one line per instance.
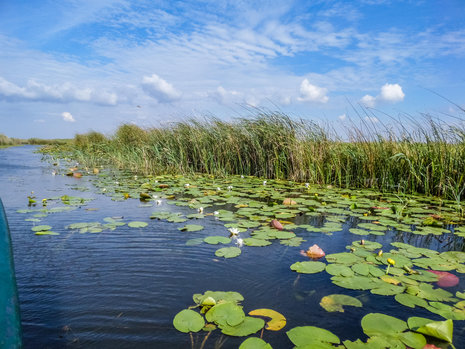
(10, 328)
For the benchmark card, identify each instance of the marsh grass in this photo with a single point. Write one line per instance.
(424, 156)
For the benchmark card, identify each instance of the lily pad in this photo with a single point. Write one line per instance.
(255, 343)
(191, 227)
(228, 252)
(41, 228)
(335, 302)
(225, 314)
(309, 267)
(442, 330)
(256, 242)
(249, 326)
(188, 321)
(311, 335)
(277, 320)
(137, 224)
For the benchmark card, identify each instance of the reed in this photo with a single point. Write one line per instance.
(424, 156)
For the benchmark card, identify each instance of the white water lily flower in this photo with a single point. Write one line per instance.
(158, 202)
(54, 173)
(230, 187)
(264, 182)
(186, 185)
(135, 177)
(234, 231)
(154, 197)
(104, 189)
(216, 213)
(218, 189)
(239, 242)
(200, 210)
(307, 185)
(242, 176)
(156, 181)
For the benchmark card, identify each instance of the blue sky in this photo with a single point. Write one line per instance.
(71, 66)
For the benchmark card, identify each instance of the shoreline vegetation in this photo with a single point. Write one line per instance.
(6, 141)
(425, 157)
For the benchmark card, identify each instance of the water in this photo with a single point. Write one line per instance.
(122, 288)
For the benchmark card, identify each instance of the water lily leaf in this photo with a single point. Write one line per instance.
(255, 343)
(247, 327)
(356, 282)
(188, 321)
(343, 258)
(309, 267)
(377, 324)
(214, 240)
(339, 269)
(335, 302)
(137, 224)
(41, 228)
(361, 268)
(191, 227)
(410, 300)
(427, 291)
(225, 314)
(277, 320)
(296, 241)
(311, 335)
(46, 232)
(386, 289)
(256, 242)
(413, 340)
(218, 296)
(442, 330)
(228, 252)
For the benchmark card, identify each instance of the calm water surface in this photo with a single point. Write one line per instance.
(122, 288)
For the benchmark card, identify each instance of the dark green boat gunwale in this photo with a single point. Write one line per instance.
(10, 330)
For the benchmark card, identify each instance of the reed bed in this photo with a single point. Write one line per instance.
(425, 156)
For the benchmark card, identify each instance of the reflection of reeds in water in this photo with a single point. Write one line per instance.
(426, 156)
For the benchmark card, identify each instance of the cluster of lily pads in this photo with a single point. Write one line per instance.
(219, 310)
(406, 273)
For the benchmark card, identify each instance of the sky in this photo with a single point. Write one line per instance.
(72, 66)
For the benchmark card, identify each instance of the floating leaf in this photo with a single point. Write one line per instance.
(255, 343)
(191, 227)
(442, 330)
(137, 224)
(41, 228)
(247, 327)
(256, 242)
(335, 302)
(410, 300)
(308, 267)
(188, 321)
(218, 296)
(214, 240)
(277, 322)
(311, 335)
(225, 314)
(46, 232)
(228, 252)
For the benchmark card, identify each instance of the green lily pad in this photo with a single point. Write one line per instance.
(191, 227)
(41, 228)
(309, 267)
(256, 242)
(249, 326)
(225, 314)
(46, 232)
(137, 224)
(442, 330)
(229, 296)
(343, 258)
(339, 269)
(188, 321)
(255, 343)
(335, 302)
(410, 300)
(377, 324)
(310, 335)
(214, 240)
(228, 252)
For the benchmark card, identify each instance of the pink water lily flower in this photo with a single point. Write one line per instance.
(314, 252)
(445, 279)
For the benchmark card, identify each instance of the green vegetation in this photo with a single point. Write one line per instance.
(6, 141)
(425, 157)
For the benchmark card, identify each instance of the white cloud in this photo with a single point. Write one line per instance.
(392, 93)
(67, 117)
(35, 91)
(368, 101)
(389, 93)
(160, 89)
(372, 119)
(312, 93)
(342, 117)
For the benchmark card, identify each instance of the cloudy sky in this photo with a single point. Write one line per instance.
(71, 66)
